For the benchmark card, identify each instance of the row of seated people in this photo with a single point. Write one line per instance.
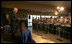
(54, 25)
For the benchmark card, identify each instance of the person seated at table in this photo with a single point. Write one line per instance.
(37, 23)
(64, 20)
(61, 20)
(58, 20)
(46, 25)
(43, 25)
(50, 24)
(44, 20)
(70, 20)
(40, 23)
(26, 36)
(55, 26)
(55, 20)
(50, 21)
(33, 22)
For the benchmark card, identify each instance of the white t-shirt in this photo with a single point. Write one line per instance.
(65, 20)
(61, 20)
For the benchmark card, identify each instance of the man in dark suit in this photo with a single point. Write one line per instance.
(13, 21)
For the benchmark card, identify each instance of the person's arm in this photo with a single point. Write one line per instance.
(11, 16)
(18, 17)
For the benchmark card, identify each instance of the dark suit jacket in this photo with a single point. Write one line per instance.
(13, 18)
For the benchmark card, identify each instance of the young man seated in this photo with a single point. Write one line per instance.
(26, 36)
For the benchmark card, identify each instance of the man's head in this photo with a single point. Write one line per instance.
(15, 10)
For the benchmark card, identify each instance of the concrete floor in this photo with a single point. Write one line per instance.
(40, 37)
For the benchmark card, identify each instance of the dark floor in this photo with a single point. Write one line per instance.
(39, 36)
(6, 37)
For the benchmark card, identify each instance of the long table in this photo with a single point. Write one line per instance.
(58, 29)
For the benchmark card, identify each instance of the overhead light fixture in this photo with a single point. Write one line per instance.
(56, 13)
(62, 8)
(58, 7)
